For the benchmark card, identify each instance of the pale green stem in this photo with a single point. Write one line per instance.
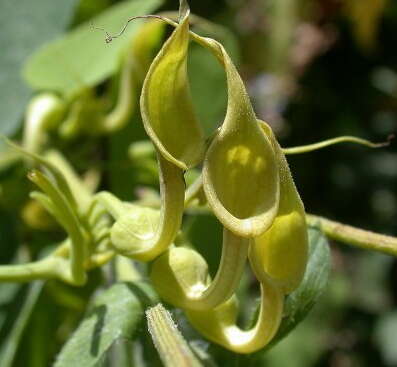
(48, 268)
(71, 125)
(55, 266)
(227, 278)
(111, 203)
(194, 190)
(169, 342)
(283, 17)
(323, 144)
(122, 111)
(355, 236)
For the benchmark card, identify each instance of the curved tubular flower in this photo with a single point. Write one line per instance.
(44, 111)
(166, 106)
(281, 252)
(181, 275)
(240, 173)
(219, 325)
(144, 233)
(124, 108)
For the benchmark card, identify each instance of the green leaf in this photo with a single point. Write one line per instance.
(300, 302)
(81, 58)
(116, 313)
(25, 25)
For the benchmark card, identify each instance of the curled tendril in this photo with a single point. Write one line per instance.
(109, 38)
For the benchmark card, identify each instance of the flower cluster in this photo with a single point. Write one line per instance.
(248, 186)
(244, 181)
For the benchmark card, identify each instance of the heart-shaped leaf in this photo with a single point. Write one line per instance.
(81, 58)
(116, 313)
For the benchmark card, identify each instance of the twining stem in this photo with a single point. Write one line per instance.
(354, 236)
(341, 139)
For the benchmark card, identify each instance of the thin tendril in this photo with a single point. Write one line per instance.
(341, 139)
(109, 38)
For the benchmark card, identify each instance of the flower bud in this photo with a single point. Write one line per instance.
(132, 229)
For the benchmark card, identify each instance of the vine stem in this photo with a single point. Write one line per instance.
(354, 236)
(48, 268)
